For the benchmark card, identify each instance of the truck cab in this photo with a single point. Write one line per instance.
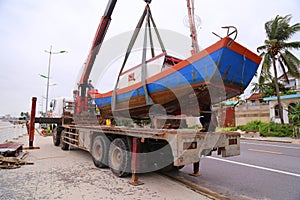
(61, 106)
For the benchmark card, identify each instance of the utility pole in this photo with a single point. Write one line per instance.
(48, 76)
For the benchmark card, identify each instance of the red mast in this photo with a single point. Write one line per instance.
(195, 45)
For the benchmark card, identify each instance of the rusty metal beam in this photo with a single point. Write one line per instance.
(32, 121)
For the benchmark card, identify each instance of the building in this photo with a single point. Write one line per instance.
(287, 101)
(255, 108)
(293, 83)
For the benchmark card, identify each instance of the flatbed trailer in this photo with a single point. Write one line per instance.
(140, 150)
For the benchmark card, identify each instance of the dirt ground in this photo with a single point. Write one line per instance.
(58, 174)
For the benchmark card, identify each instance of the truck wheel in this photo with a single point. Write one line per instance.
(99, 151)
(64, 146)
(120, 157)
(55, 136)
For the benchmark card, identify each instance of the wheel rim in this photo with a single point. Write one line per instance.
(54, 135)
(116, 159)
(62, 141)
(97, 152)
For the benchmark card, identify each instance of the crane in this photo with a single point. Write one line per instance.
(80, 95)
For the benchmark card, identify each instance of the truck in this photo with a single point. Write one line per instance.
(125, 149)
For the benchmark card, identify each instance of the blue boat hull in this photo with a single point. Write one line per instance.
(217, 74)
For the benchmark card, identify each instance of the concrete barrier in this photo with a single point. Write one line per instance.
(11, 132)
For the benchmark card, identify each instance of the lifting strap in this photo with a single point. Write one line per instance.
(149, 19)
(144, 63)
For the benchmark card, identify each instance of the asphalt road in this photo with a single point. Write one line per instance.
(264, 170)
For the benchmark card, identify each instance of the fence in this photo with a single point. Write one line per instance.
(10, 132)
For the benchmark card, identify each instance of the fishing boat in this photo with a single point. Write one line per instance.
(219, 72)
(166, 85)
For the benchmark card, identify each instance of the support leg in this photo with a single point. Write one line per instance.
(135, 162)
(196, 167)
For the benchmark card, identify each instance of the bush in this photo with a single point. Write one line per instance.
(251, 126)
(276, 130)
(271, 129)
(254, 125)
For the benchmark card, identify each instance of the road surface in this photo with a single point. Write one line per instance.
(264, 170)
(58, 174)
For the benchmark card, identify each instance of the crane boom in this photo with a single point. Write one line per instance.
(98, 39)
(80, 95)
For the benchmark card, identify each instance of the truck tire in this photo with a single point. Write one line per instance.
(56, 136)
(64, 146)
(120, 157)
(100, 150)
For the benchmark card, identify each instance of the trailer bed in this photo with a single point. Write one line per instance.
(187, 145)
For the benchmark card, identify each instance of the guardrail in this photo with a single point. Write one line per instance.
(10, 132)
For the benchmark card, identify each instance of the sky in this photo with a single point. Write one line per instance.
(29, 27)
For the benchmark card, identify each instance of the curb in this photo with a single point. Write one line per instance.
(197, 188)
(268, 140)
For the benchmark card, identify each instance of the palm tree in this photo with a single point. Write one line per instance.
(276, 50)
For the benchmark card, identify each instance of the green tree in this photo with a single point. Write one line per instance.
(294, 116)
(276, 52)
(267, 88)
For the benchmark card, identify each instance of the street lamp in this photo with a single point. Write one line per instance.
(50, 54)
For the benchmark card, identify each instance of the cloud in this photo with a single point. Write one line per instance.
(27, 28)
